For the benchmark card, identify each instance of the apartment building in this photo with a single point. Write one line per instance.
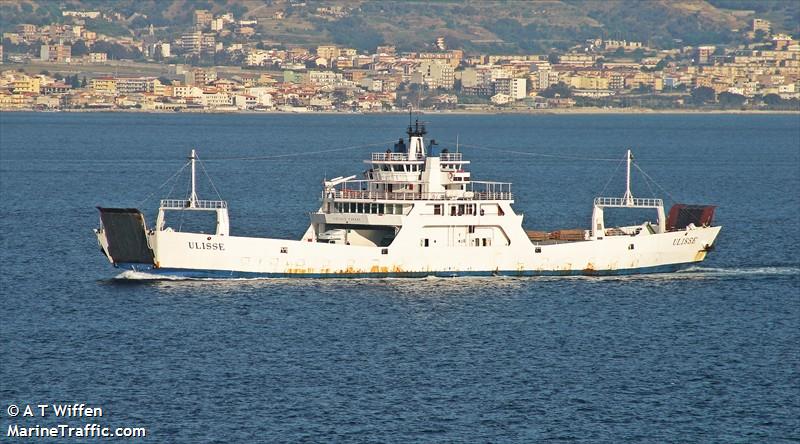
(436, 74)
(103, 85)
(329, 52)
(26, 84)
(514, 88)
(58, 53)
(130, 85)
(202, 18)
(97, 57)
(191, 42)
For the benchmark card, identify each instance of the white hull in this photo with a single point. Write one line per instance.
(199, 255)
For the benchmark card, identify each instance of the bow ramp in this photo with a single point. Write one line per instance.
(123, 236)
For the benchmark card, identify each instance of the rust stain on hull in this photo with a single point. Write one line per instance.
(589, 270)
(375, 269)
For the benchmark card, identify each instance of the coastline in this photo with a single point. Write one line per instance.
(552, 111)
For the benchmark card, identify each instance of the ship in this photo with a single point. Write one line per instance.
(415, 212)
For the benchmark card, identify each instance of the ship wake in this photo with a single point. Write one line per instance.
(130, 275)
(743, 271)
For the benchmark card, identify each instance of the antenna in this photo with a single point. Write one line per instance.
(193, 196)
(628, 197)
(456, 142)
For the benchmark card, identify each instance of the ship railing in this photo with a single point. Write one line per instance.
(486, 195)
(479, 186)
(475, 191)
(622, 202)
(444, 157)
(383, 157)
(450, 157)
(186, 204)
(408, 195)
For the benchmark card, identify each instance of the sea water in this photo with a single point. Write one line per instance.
(710, 354)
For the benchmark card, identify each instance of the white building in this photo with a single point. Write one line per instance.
(165, 49)
(323, 78)
(501, 99)
(191, 41)
(515, 88)
(519, 88)
(437, 74)
(128, 85)
(256, 57)
(186, 91)
(244, 101)
(216, 100)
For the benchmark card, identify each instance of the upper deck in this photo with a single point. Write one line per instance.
(415, 171)
(476, 190)
(405, 157)
(188, 204)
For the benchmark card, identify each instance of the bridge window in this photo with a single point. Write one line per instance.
(284, 250)
(630, 247)
(437, 209)
(537, 250)
(471, 229)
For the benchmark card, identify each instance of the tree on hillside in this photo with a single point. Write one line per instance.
(728, 99)
(663, 63)
(561, 89)
(354, 32)
(772, 99)
(116, 51)
(79, 48)
(238, 10)
(703, 95)
(599, 63)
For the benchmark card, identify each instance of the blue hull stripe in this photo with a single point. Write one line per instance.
(227, 274)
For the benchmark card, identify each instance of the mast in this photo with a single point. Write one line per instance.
(628, 197)
(193, 196)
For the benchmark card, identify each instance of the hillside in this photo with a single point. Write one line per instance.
(498, 26)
